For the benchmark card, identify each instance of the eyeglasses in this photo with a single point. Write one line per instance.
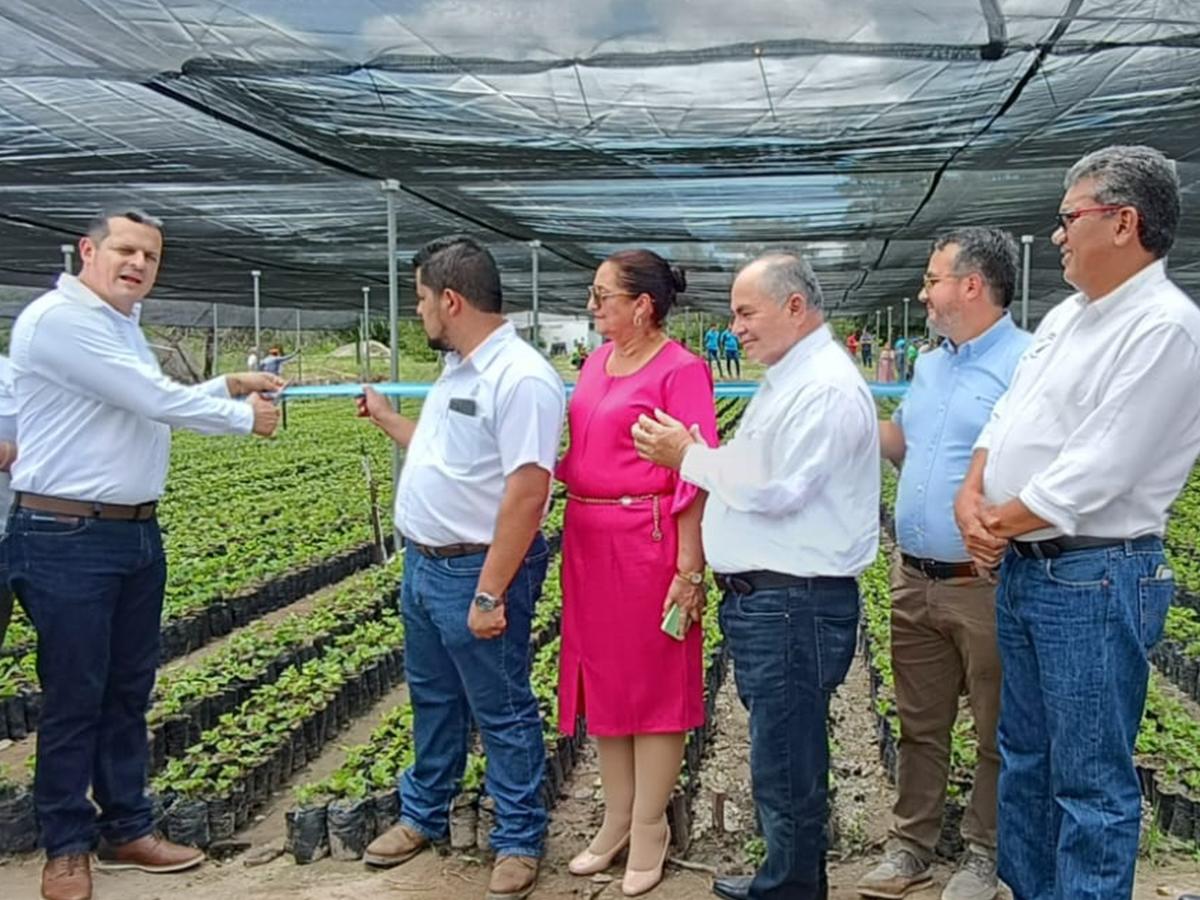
(1063, 220)
(601, 297)
(928, 281)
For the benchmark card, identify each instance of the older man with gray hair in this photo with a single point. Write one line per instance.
(792, 519)
(1076, 470)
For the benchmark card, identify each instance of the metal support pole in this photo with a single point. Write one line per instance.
(889, 337)
(366, 330)
(299, 356)
(906, 302)
(256, 274)
(391, 187)
(534, 246)
(216, 345)
(68, 254)
(1027, 254)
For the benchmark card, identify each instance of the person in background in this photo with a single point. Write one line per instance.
(733, 352)
(274, 361)
(470, 503)
(900, 357)
(852, 345)
(8, 455)
(1070, 484)
(631, 551)
(887, 365)
(712, 349)
(943, 620)
(84, 549)
(911, 352)
(252, 360)
(866, 344)
(792, 519)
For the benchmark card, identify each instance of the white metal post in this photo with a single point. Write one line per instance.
(366, 331)
(391, 187)
(299, 357)
(1027, 253)
(68, 255)
(216, 345)
(534, 246)
(256, 274)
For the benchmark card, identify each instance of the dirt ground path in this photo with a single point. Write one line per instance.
(862, 798)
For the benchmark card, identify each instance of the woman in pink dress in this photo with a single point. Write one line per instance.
(631, 549)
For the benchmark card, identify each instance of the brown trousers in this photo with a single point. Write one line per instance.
(943, 643)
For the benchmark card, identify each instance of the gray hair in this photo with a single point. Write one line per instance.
(1137, 176)
(787, 272)
(98, 228)
(992, 252)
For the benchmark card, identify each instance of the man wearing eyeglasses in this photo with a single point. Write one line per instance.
(943, 610)
(1076, 470)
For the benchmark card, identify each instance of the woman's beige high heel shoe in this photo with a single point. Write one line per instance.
(588, 863)
(639, 881)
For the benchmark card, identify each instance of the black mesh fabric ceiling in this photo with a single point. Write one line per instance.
(706, 130)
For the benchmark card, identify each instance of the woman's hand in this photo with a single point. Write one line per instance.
(688, 597)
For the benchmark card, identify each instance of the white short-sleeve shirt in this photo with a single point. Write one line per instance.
(487, 415)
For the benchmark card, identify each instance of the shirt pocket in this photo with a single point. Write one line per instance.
(463, 439)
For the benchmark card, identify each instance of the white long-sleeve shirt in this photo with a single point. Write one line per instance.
(797, 489)
(1101, 425)
(94, 411)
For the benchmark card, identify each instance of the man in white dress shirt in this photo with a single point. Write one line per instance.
(1077, 467)
(85, 556)
(792, 518)
(470, 503)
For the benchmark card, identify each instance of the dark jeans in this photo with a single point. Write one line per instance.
(733, 361)
(791, 648)
(1073, 634)
(6, 601)
(93, 590)
(453, 675)
(714, 360)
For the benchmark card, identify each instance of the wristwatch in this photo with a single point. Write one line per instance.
(693, 578)
(488, 602)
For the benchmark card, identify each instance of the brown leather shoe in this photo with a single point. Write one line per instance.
(513, 878)
(67, 878)
(397, 845)
(148, 854)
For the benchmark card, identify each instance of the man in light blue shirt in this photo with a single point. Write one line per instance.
(943, 612)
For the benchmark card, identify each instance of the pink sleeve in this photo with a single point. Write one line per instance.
(689, 398)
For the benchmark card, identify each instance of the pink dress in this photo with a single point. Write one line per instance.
(617, 667)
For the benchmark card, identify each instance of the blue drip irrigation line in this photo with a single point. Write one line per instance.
(417, 390)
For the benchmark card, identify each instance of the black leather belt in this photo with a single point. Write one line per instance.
(937, 570)
(762, 580)
(449, 551)
(1053, 548)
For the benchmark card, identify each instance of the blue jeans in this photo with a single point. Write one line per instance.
(93, 589)
(791, 648)
(1074, 633)
(453, 675)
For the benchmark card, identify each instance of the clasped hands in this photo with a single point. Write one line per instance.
(979, 523)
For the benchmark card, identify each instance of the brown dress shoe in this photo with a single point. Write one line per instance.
(67, 878)
(148, 854)
(513, 878)
(397, 845)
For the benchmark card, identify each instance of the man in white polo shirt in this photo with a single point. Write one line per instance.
(1078, 465)
(470, 502)
(85, 556)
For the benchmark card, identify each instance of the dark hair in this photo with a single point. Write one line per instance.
(990, 251)
(1137, 176)
(98, 227)
(461, 264)
(645, 272)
